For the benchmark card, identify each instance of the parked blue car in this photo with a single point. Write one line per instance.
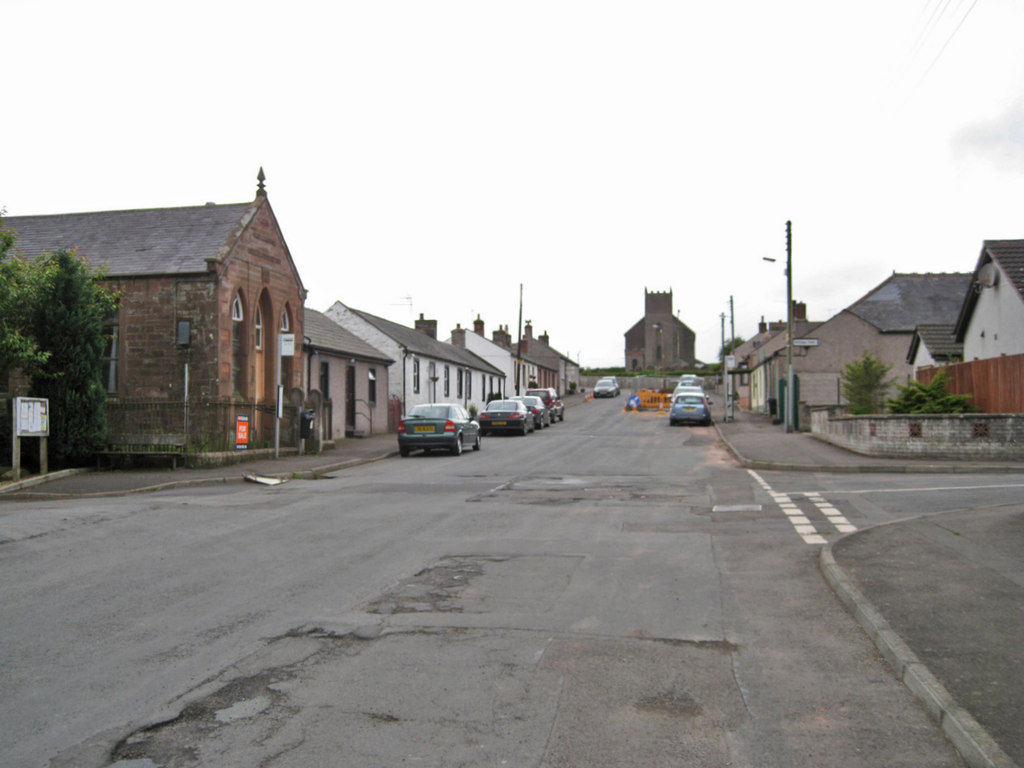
(689, 407)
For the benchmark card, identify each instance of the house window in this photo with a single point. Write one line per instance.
(469, 385)
(258, 327)
(285, 323)
(416, 375)
(447, 381)
(458, 383)
(371, 394)
(111, 340)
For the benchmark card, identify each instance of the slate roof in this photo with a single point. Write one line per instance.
(325, 334)
(157, 241)
(940, 341)
(422, 344)
(905, 301)
(1009, 255)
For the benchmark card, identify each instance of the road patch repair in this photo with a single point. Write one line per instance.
(458, 664)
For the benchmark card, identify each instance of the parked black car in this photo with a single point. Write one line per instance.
(506, 416)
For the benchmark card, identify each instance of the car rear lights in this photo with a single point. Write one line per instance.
(449, 426)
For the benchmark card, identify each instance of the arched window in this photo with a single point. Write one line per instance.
(286, 324)
(238, 351)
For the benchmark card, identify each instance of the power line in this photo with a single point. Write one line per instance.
(937, 13)
(948, 41)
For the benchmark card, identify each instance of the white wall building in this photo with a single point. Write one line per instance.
(991, 322)
(425, 370)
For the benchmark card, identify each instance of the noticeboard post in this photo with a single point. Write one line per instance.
(31, 419)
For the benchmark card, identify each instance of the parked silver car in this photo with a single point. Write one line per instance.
(437, 425)
(608, 387)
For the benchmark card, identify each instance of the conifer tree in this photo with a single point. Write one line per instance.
(67, 322)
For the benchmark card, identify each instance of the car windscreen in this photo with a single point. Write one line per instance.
(429, 412)
(503, 405)
(690, 399)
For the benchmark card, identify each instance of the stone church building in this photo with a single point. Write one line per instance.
(205, 293)
(659, 341)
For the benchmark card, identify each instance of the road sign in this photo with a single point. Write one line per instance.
(287, 344)
(806, 342)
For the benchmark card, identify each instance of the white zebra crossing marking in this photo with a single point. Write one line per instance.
(798, 519)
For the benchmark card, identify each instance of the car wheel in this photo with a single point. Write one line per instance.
(404, 451)
(457, 448)
(477, 445)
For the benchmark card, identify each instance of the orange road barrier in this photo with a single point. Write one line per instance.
(654, 401)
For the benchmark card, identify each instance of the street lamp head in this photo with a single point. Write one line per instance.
(768, 258)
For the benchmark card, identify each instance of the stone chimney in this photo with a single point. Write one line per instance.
(502, 337)
(478, 326)
(762, 327)
(799, 311)
(528, 331)
(429, 327)
(543, 338)
(459, 336)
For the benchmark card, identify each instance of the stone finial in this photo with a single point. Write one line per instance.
(260, 189)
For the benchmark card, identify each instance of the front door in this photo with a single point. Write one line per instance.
(350, 400)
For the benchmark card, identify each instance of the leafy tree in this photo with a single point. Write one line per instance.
(66, 321)
(935, 397)
(730, 346)
(19, 284)
(864, 384)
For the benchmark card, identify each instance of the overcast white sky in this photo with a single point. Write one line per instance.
(449, 151)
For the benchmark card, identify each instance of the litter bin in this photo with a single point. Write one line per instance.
(773, 406)
(306, 418)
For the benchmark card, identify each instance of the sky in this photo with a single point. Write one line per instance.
(432, 157)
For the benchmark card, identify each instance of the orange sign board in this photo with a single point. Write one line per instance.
(241, 433)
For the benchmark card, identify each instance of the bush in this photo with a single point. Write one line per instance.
(916, 397)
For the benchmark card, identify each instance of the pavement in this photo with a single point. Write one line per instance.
(941, 595)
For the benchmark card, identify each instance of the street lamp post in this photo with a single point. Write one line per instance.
(790, 400)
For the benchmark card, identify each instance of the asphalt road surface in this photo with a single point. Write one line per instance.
(608, 591)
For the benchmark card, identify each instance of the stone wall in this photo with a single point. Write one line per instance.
(995, 437)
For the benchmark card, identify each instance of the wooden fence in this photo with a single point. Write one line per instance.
(996, 385)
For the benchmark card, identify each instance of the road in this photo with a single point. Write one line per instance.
(606, 592)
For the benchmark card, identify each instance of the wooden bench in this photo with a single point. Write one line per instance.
(146, 445)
